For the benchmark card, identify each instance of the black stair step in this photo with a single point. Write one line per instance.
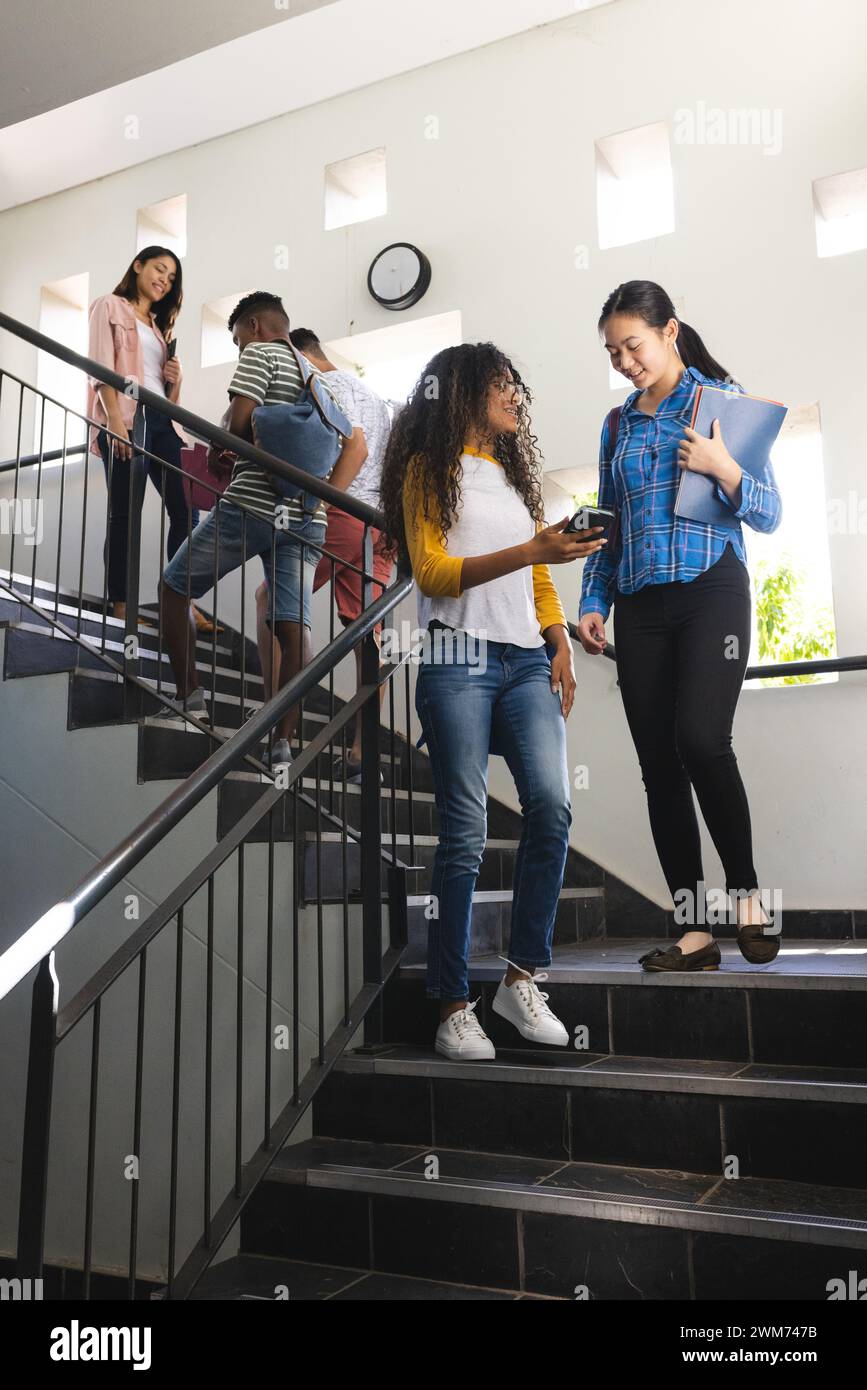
(605, 1109)
(261, 1277)
(804, 1009)
(552, 1226)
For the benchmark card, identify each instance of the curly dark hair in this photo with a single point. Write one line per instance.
(447, 406)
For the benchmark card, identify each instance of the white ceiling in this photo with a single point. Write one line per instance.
(51, 54)
(316, 50)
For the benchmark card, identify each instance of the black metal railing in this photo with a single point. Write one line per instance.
(319, 971)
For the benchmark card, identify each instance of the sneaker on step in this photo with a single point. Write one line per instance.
(194, 703)
(462, 1037)
(353, 772)
(524, 1005)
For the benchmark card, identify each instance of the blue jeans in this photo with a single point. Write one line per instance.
(466, 713)
(241, 534)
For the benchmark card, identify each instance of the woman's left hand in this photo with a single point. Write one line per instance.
(172, 373)
(702, 455)
(563, 676)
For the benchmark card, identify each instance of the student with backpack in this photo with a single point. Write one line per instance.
(254, 517)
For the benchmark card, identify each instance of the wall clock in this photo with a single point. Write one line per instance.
(399, 276)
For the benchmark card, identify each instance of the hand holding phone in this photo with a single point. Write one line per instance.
(591, 518)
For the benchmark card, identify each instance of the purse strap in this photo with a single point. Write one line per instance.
(334, 419)
(613, 426)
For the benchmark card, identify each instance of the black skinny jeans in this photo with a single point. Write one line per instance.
(161, 439)
(680, 684)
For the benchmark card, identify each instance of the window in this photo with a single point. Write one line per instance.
(355, 189)
(217, 345)
(391, 360)
(63, 316)
(634, 188)
(793, 612)
(840, 207)
(163, 224)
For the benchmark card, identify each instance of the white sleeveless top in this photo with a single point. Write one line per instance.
(152, 358)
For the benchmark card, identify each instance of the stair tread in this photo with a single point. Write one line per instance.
(473, 1175)
(248, 1276)
(810, 964)
(561, 1067)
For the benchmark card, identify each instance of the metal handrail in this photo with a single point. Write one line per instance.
(19, 959)
(819, 666)
(50, 456)
(36, 947)
(196, 424)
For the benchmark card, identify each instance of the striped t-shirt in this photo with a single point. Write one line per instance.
(268, 374)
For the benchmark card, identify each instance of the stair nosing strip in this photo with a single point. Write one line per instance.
(852, 1093)
(639, 979)
(814, 1230)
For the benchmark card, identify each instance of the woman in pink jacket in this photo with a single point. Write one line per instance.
(130, 332)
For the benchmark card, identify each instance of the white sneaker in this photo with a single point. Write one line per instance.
(524, 1005)
(462, 1037)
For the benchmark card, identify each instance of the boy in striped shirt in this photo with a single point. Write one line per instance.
(253, 518)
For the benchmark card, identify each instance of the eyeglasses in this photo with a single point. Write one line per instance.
(507, 387)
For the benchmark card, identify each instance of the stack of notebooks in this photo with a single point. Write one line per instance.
(749, 427)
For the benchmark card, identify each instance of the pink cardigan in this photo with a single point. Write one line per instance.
(114, 341)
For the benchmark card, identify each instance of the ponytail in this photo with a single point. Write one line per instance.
(648, 301)
(693, 353)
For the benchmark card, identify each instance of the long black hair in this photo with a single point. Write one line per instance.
(449, 403)
(646, 300)
(168, 308)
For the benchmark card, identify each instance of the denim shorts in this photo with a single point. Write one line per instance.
(192, 569)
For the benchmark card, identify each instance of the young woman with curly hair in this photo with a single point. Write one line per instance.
(461, 489)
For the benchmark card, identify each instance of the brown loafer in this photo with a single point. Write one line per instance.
(756, 947)
(672, 958)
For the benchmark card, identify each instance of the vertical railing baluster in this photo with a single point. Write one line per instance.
(409, 770)
(176, 1092)
(37, 1122)
(269, 974)
(216, 592)
(83, 541)
(344, 872)
(297, 871)
(15, 492)
(38, 494)
(239, 1027)
(160, 565)
(209, 1060)
(136, 1126)
(320, 959)
(91, 1150)
(60, 515)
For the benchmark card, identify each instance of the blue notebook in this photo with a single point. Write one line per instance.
(749, 427)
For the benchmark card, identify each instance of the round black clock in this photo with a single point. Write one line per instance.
(399, 276)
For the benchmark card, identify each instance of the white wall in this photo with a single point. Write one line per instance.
(500, 201)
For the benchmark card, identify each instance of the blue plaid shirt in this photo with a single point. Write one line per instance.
(642, 481)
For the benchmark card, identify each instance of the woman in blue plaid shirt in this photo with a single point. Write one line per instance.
(681, 597)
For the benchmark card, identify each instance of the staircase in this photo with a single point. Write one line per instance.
(700, 1127)
(704, 1139)
(708, 1143)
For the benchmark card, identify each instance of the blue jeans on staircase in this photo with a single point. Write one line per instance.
(467, 712)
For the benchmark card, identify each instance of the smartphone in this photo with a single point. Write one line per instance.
(589, 517)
